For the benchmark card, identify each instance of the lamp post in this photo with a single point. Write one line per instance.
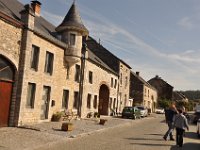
(83, 52)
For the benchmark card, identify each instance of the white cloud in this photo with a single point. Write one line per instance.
(187, 62)
(53, 18)
(186, 23)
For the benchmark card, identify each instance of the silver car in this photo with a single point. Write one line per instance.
(143, 111)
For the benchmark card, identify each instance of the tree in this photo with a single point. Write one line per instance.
(164, 103)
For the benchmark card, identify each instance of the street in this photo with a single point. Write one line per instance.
(143, 134)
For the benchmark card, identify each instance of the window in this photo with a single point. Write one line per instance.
(72, 39)
(65, 99)
(121, 79)
(115, 86)
(111, 82)
(110, 105)
(90, 77)
(34, 57)
(76, 100)
(125, 100)
(89, 101)
(6, 69)
(95, 102)
(114, 103)
(77, 73)
(31, 95)
(126, 81)
(49, 63)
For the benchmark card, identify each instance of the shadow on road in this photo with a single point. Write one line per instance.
(143, 139)
(148, 144)
(191, 135)
(187, 146)
(155, 134)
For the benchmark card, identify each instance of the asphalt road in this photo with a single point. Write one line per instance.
(143, 134)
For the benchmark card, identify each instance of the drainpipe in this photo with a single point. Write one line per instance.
(84, 49)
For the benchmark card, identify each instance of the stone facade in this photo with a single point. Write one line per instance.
(17, 46)
(142, 92)
(164, 89)
(10, 39)
(124, 83)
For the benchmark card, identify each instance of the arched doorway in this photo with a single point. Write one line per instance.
(7, 72)
(103, 100)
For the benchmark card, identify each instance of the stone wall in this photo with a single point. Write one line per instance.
(124, 84)
(10, 39)
(100, 76)
(58, 82)
(149, 97)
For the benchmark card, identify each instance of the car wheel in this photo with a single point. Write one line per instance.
(198, 134)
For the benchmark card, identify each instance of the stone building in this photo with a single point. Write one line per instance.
(45, 69)
(164, 89)
(178, 96)
(142, 92)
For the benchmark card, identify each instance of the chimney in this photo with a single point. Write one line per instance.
(137, 73)
(36, 5)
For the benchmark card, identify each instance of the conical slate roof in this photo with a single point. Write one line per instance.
(72, 21)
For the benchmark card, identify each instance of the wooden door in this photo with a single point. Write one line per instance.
(103, 100)
(45, 103)
(5, 98)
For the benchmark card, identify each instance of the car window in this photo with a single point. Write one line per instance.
(141, 108)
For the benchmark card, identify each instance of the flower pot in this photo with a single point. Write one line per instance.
(102, 121)
(67, 126)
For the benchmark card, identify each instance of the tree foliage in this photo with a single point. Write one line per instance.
(191, 95)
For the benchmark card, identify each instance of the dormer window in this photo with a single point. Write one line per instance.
(72, 39)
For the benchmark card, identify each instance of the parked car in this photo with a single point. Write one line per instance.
(196, 117)
(143, 111)
(131, 112)
(198, 128)
(159, 110)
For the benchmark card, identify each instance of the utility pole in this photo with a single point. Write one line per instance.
(84, 49)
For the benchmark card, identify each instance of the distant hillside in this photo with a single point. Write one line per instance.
(192, 95)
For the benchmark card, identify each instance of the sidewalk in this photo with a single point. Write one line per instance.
(37, 135)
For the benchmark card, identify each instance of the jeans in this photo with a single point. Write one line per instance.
(169, 131)
(179, 136)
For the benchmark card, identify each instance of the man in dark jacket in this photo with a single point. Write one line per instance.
(169, 115)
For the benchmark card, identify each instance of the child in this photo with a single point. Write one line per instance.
(180, 123)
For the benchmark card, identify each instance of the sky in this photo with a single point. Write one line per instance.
(155, 37)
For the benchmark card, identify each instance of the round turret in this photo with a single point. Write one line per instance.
(72, 31)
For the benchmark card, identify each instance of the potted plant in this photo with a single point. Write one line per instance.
(96, 115)
(57, 116)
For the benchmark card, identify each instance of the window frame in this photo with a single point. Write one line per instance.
(30, 99)
(49, 63)
(65, 99)
(35, 52)
(72, 39)
(90, 77)
(77, 73)
(95, 102)
(76, 100)
(89, 98)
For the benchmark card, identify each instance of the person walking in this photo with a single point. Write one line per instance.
(180, 123)
(169, 115)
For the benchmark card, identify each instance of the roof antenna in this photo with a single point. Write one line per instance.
(99, 41)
